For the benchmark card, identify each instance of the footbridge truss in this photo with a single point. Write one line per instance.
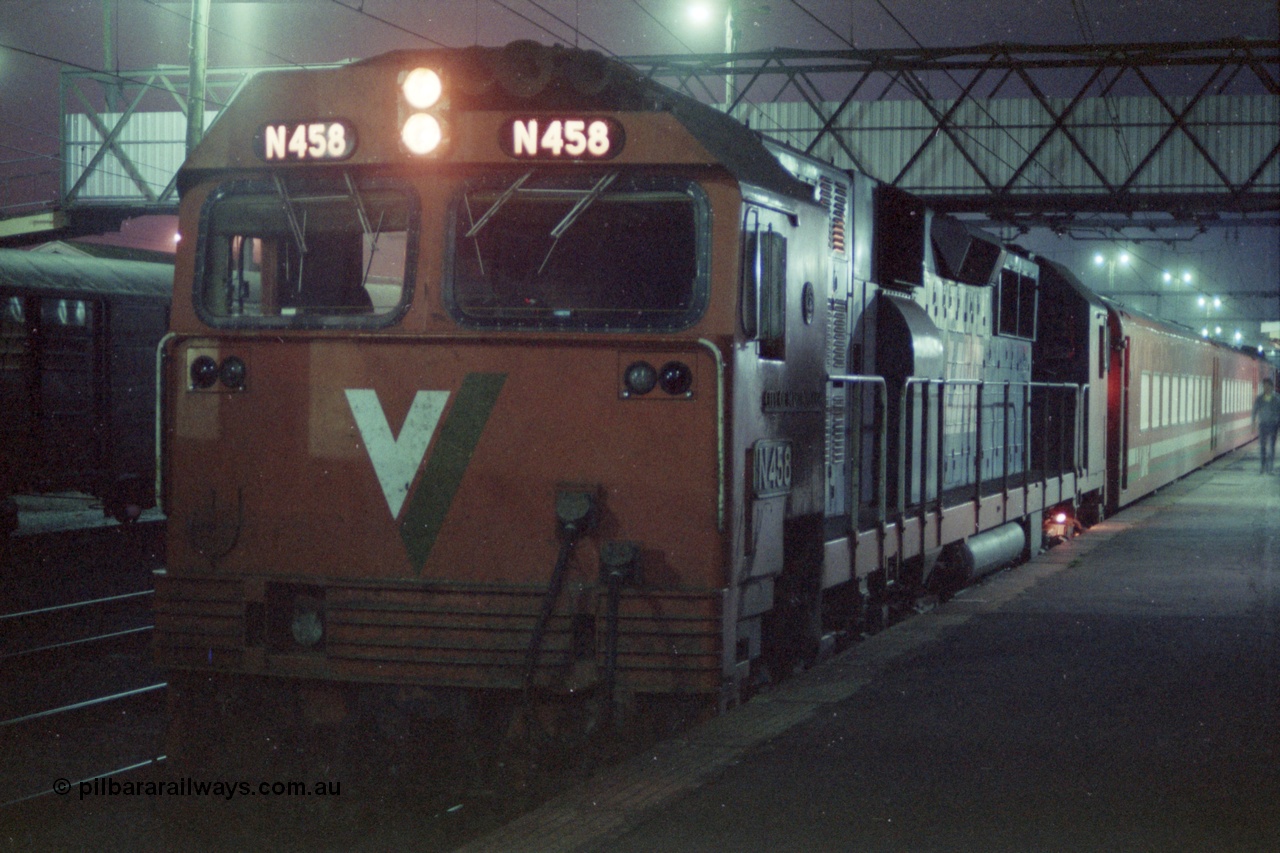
(1168, 133)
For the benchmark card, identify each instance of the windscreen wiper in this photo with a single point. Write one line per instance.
(299, 235)
(365, 225)
(497, 204)
(583, 203)
(574, 212)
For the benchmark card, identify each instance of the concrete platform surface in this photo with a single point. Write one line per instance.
(1118, 693)
(56, 512)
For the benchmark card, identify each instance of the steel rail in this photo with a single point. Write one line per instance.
(77, 706)
(74, 604)
(68, 643)
(70, 785)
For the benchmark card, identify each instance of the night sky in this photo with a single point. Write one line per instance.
(147, 34)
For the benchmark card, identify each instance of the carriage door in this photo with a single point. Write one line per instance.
(1123, 448)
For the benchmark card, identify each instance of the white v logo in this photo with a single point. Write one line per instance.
(396, 459)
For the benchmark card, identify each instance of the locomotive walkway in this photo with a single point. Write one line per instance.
(1120, 692)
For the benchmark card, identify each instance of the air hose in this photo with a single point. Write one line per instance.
(575, 513)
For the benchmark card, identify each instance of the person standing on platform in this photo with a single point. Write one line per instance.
(1266, 415)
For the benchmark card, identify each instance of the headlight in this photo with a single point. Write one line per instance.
(422, 88)
(421, 133)
(423, 103)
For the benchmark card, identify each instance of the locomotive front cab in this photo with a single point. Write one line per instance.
(449, 416)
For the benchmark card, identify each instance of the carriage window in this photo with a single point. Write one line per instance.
(585, 251)
(325, 252)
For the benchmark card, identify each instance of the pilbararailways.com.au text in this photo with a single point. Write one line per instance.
(107, 786)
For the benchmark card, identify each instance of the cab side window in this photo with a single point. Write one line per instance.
(764, 291)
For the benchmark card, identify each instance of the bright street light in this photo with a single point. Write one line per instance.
(1121, 259)
(700, 13)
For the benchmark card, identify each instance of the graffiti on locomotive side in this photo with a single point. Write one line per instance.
(772, 468)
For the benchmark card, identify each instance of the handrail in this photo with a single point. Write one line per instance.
(161, 349)
(925, 383)
(720, 427)
(882, 439)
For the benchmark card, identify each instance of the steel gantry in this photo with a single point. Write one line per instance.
(1026, 133)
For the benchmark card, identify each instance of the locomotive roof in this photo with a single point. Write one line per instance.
(55, 273)
(518, 78)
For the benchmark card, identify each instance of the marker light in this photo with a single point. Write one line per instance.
(232, 372)
(421, 133)
(675, 378)
(422, 88)
(204, 372)
(640, 378)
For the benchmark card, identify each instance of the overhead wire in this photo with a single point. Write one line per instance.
(1086, 31)
(392, 24)
(574, 27)
(662, 26)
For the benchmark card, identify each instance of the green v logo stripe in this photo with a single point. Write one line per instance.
(455, 444)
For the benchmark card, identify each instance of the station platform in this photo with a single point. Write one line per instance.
(58, 512)
(1119, 692)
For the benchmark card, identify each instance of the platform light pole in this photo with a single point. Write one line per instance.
(1123, 259)
(199, 63)
(702, 13)
(735, 12)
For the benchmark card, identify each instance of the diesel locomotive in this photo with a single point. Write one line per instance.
(506, 376)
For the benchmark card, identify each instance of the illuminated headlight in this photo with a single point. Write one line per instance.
(423, 104)
(422, 88)
(421, 133)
